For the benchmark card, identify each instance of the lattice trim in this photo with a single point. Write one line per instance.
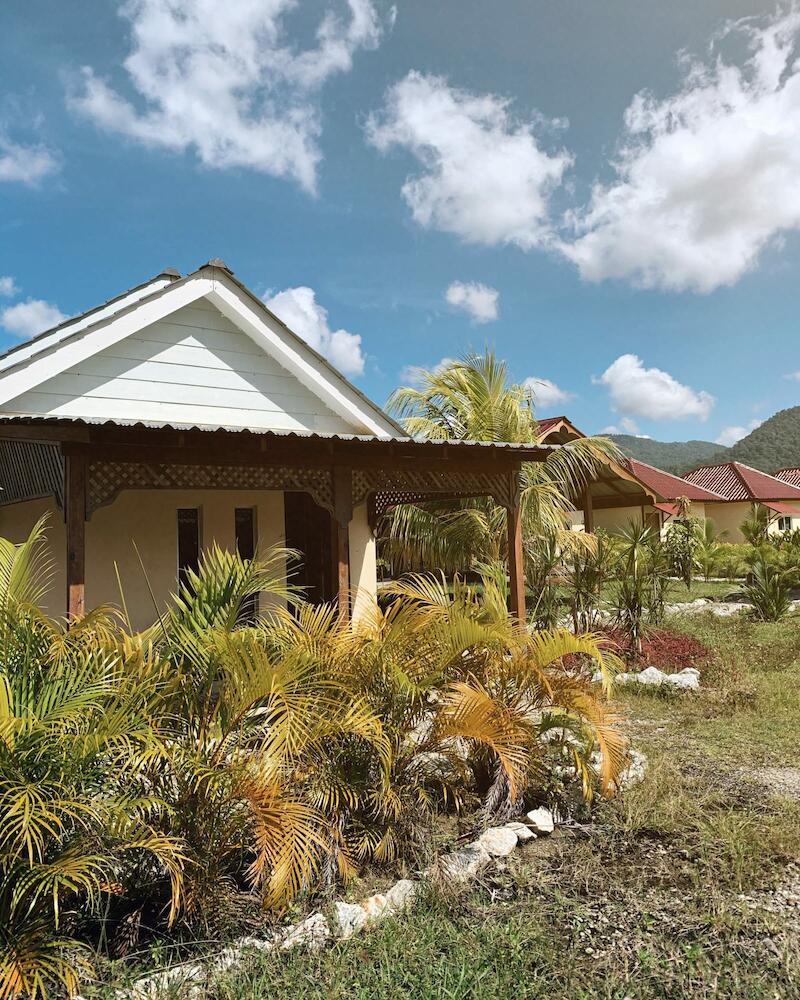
(106, 480)
(391, 488)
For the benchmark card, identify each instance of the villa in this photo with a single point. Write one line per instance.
(633, 491)
(742, 487)
(183, 412)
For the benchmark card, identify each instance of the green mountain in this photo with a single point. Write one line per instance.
(773, 445)
(672, 456)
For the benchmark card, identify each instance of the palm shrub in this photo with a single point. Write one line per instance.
(768, 589)
(78, 822)
(681, 544)
(465, 696)
(589, 568)
(731, 560)
(708, 548)
(251, 725)
(156, 776)
(755, 526)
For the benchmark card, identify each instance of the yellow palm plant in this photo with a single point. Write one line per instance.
(75, 738)
(251, 724)
(470, 705)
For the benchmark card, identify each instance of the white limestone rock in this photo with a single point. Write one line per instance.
(541, 820)
(634, 771)
(233, 955)
(522, 831)
(187, 978)
(313, 933)
(498, 841)
(687, 679)
(350, 918)
(402, 894)
(462, 865)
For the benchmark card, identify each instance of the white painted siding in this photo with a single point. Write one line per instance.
(193, 367)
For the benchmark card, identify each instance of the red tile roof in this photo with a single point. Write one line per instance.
(740, 482)
(546, 423)
(789, 475)
(668, 486)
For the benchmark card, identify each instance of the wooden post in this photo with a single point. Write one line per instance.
(588, 510)
(75, 511)
(343, 513)
(516, 568)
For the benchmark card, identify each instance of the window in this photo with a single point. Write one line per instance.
(784, 524)
(245, 535)
(188, 543)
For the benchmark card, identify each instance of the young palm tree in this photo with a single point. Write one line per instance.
(75, 815)
(473, 399)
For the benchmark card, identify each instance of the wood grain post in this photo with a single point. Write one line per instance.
(516, 567)
(75, 511)
(588, 510)
(340, 547)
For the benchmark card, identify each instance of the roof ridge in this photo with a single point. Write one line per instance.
(168, 272)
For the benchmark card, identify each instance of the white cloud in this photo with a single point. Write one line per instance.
(730, 435)
(705, 178)
(26, 319)
(8, 287)
(27, 164)
(414, 375)
(300, 311)
(480, 301)
(625, 426)
(225, 81)
(484, 176)
(546, 394)
(794, 376)
(637, 391)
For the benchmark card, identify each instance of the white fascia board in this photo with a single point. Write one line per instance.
(271, 336)
(67, 329)
(99, 336)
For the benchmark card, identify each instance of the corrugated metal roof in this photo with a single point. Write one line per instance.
(530, 448)
(736, 481)
(29, 470)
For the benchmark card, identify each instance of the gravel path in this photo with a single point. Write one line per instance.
(779, 780)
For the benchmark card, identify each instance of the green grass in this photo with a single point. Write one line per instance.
(649, 904)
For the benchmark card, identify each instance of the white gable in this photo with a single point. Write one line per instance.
(201, 352)
(194, 367)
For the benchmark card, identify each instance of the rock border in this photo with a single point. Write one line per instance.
(459, 867)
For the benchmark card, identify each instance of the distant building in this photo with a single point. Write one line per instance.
(633, 491)
(743, 486)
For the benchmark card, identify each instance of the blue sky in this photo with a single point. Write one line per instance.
(367, 169)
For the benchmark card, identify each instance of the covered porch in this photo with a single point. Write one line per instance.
(137, 505)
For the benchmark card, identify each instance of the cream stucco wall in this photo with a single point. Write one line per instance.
(728, 517)
(16, 521)
(145, 520)
(616, 519)
(363, 561)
